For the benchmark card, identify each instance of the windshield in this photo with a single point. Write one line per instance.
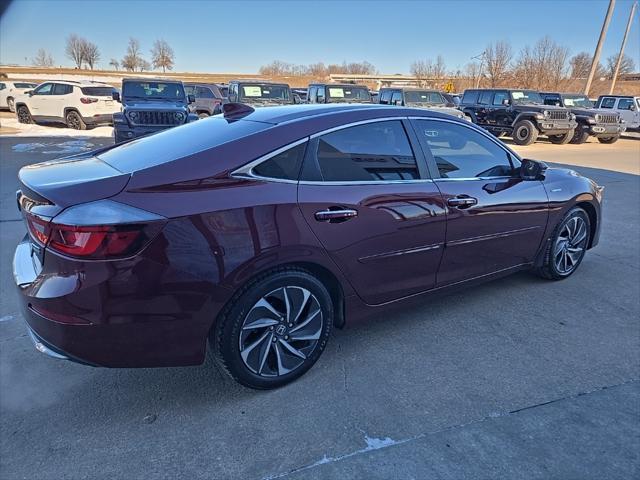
(419, 97)
(526, 97)
(98, 91)
(348, 94)
(153, 90)
(577, 101)
(278, 93)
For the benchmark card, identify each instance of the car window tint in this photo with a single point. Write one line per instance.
(461, 152)
(500, 97)
(285, 165)
(61, 89)
(396, 98)
(485, 97)
(608, 102)
(625, 104)
(2, 86)
(44, 89)
(470, 96)
(374, 151)
(385, 97)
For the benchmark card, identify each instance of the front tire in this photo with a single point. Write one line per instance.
(202, 115)
(525, 132)
(24, 116)
(581, 135)
(609, 140)
(567, 246)
(74, 120)
(562, 139)
(274, 329)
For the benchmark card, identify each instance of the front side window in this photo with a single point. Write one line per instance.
(625, 104)
(501, 99)
(284, 165)
(526, 97)
(370, 152)
(44, 89)
(396, 98)
(461, 152)
(385, 97)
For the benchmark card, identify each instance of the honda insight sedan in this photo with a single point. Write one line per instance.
(258, 231)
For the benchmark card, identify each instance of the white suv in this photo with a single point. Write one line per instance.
(9, 90)
(77, 104)
(626, 105)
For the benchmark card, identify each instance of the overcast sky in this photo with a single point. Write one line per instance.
(239, 37)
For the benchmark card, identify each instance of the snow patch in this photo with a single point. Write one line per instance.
(68, 148)
(33, 130)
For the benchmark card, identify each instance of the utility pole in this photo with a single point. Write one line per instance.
(481, 58)
(596, 55)
(624, 43)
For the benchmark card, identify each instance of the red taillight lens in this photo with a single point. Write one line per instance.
(86, 100)
(39, 228)
(97, 241)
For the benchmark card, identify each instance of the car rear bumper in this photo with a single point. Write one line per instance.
(110, 314)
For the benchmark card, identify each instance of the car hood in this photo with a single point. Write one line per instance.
(590, 112)
(539, 108)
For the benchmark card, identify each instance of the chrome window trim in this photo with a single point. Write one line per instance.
(246, 171)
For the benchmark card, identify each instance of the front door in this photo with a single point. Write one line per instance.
(365, 193)
(39, 98)
(495, 220)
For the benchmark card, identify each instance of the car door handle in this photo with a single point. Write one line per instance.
(462, 202)
(337, 215)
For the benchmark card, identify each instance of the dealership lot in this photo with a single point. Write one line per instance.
(520, 375)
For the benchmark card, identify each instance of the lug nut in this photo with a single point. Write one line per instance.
(274, 340)
(286, 337)
(270, 328)
(290, 325)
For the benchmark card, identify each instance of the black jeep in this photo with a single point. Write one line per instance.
(605, 125)
(521, 114)
(150, 105)
(259, 93)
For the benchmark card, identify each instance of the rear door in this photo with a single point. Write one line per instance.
(366, 194)
(495, 219)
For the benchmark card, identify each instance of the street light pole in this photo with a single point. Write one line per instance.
(624, 43)
(596, 55)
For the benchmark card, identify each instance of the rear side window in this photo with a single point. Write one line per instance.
(461, 152)
(486, 97)
(62, 89)
(608, 102)
(283, 166)
(370, 152)
(97, 91)
(204, 92)
(470, 96)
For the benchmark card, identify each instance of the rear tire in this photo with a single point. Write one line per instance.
(74, 120)
(567, 246)
(202, 115)
(23, 114)
(11, 103)
(524, 132)
(581, 135)
(609, 140)
(562, 139)
(274, 329)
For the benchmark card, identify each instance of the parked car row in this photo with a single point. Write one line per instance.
(148, 105)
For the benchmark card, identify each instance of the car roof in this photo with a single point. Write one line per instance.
(257, 81)
(145, 79)
(617, 96)
(337, 85)
(292, 113)
(412, 88)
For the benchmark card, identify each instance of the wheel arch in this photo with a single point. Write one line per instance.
(593, 219)
(70, 109)
(526, 116)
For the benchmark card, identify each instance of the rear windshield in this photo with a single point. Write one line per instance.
(269, 92)
(417, 97)
(97, 91)
(26, 85)
(153, 90)
(176, 143)
(338, 94)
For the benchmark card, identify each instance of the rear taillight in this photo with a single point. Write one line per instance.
(96, 230)
(86, 100)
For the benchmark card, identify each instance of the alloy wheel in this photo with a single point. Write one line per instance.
(570, 245)
(281, 331)
(23, 115)
(73, 121)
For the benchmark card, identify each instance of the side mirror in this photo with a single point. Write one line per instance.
(632, 108)
(505, 102)
(532, 169)
(115, 96)
(191, 98)
(30, 93)
(320, 99)
(397, 103)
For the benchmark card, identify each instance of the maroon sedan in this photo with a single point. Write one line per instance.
(259, 231)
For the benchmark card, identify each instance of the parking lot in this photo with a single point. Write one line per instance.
(519, 378)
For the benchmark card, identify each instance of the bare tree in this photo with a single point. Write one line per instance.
(317, 70)
(144, 65)
(90, 53)
(74, 49)
(543, 66)
(43, 59)
(581, 64)
(162, 55)
(627, 65)
(114, 63)
(426, 70)
(132, 59)
(277, 68)
(498, 58)
(473, 71)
